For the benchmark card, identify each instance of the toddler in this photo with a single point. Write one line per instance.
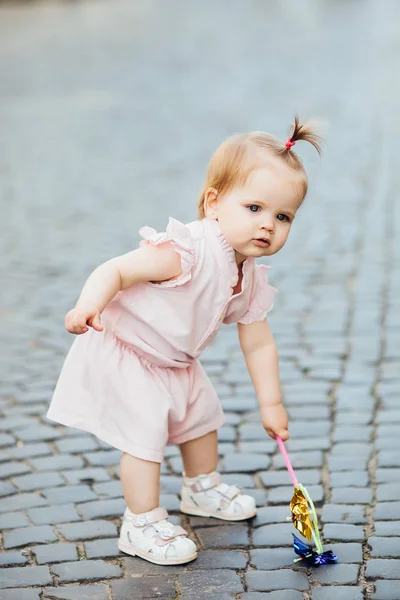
(134, 379)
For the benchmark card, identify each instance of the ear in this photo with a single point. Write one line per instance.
(211, 203)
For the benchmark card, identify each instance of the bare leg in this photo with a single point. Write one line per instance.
(140, 481)
(200, 456)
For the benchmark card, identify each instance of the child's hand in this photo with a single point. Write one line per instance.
(78, 319)
(275, 421)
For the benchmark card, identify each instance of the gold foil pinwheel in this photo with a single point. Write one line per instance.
(301, 514)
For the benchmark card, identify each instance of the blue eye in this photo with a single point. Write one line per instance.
(254, 208)
(282, 217)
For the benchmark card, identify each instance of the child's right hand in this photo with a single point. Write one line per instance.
(78, 320)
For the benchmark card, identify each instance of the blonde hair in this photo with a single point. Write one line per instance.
(230, 164)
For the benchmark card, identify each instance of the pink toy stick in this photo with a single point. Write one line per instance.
(287, 461)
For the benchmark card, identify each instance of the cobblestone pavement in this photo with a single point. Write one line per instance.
(109, 112)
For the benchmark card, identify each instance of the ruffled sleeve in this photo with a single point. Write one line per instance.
(179, 235)
(262, 297)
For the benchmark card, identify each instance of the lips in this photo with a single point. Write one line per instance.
(262, 242)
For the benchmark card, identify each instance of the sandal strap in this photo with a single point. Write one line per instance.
(227, 497)
(164, 538)
(143, 519)
(206, 483)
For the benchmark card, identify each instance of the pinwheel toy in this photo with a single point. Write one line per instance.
(304, 518)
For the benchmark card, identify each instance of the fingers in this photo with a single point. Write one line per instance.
(96, 323)
(283, 434)
(78, 322)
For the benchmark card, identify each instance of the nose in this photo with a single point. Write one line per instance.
(269, 223)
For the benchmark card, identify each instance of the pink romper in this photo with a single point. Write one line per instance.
(138, 385)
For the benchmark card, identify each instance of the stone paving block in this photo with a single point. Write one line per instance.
(281, 478)
(284, 494)
(274, 535)
(210, 583)
(387, 511)
(6, 489)
(29, 535)
(338, 592)
(25, 577)
(306, 444)
(271, 514)
(351, 495)
(69, 493)
(219, 559)
(268, 559)
(6, 440)
(74, 592)
(39, 433)
(169, 484)
(87, 530)
(54, 514)
(13, 520)
(103, 458)
(8, 559)
(59, 462)
(13, 468)
(385, 528)
(103, 508)
(348, 552)
(111, 489)
(170, 502)
(20, 502)
(88, 476)
(388, 458)
(337, 574)
(386, 590)
(54, 553)
(242, 462)
(36, 481)
(387, 475)
(300, 460)
(343, 513)
(266, 581)
(277, 595)
(347, 463)
(351, 449)
(77, 445)
(383, 568)
(267, 446)
(342, 533)
(102, 549)
(145, 588)
(384, 547)
(133, 567)
(388, 491)
(343, 433)
(86, 570)
(224, 537)
(349, 478)
(240, 479)
(29, 450)
(20, 594)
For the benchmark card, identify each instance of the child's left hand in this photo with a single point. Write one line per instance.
(275, 421)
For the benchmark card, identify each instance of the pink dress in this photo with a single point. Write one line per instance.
(138, 385)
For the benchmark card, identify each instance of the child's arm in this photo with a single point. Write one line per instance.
(147, 263)
(258, 346)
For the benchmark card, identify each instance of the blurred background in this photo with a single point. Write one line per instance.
(110, 111)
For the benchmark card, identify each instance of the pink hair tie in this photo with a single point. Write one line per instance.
(289, 143)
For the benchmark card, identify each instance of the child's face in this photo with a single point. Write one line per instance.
(256, 218)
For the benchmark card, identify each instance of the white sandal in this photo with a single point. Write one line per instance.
(151, 536)
(208, 496)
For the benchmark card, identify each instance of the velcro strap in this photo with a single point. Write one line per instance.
(166, 538)
(158, 514)
(232, 492)
(206, 483)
